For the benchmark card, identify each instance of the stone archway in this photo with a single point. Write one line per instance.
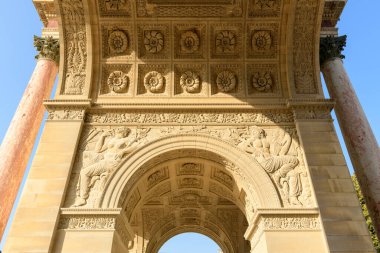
(187, 193)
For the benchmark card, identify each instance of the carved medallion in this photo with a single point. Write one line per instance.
(262, 81)
(225, 41)
(118, 81)
(153, 41)
(154, 82)
(190, 82)
(261, 40)
(226, 81)
(117, 42)
(189, 42)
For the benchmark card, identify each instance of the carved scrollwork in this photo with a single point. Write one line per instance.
(190, 82)
(226, 81)
(154, 82)
(118, 81)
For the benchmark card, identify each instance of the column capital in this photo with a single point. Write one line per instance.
(48, 48)
(331, 47)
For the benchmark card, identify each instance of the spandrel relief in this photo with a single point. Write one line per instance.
(104, 148)
(103, 152)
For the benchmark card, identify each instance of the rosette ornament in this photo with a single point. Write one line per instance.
(190, 82)
(189, 42)
(118, 81)
(153, 41)
(154, 81)
(225, 41)
(226, 81)
(262, 81)
(118, 42)
(262, 40)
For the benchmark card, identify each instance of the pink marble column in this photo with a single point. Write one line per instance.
(18, 142)
(358, 136)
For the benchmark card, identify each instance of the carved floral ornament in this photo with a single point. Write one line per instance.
(153, 41)
(225, 41)
(261, 40)
(118, 41)
(154, 81)
(116, 4)
(226, 81)
(190, 81)
(262, 81)
(189, 42)
(47, 48)
(118, 81)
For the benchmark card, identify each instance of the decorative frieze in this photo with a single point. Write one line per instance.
(270, 117)
(65, 114)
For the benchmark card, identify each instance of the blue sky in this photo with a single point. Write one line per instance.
(360, 21)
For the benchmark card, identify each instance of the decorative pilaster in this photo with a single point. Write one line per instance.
(22, 132)
(359, 138)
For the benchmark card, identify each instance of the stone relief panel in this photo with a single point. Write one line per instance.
(190, 41)
(117, 80)
(102, 150)
(226, 40)
(115, 8)
(153, 8)
(263, 80)
(100, 153)
(154, 41)
(227, 79)
(183, 117)
(118, 41)
(264, 8)
(74, 34)
(263, 40)
(303, 47)
(154, 79)
(190, 79)
(156, 177)
(196, 169)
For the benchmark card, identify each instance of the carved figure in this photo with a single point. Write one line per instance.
(101, 162)
(274, 158)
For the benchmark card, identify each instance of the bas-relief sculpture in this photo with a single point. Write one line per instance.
(221, 71)
(278, 154)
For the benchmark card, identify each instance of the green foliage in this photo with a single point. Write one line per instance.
(371, 229)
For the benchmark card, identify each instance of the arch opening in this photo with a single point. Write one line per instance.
(190, 242)
(188, 193)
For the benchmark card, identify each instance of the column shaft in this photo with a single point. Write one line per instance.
(358, 136)
(18, 142)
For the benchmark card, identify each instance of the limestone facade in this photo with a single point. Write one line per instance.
(174, 116)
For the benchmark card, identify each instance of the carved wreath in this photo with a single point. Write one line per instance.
(118, 81)
(262, 81)
(189, 81)
(153, 41)
(118, 41)
(189, 42)
(154, 81)
(225, 41)
(226, 81)
(261, 40)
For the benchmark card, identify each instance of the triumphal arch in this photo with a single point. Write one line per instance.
(175, 116)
